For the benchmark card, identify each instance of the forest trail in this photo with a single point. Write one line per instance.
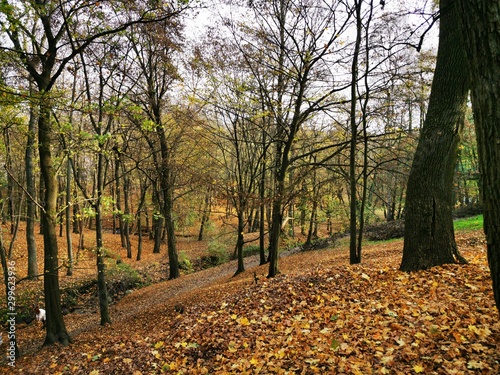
(320, 315)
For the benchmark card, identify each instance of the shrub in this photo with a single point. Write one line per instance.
(385, 231)
(251, 250)
(218, 252)
(185, 263)
(122, 277)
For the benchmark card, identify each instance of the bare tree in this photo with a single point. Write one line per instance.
(58, 32)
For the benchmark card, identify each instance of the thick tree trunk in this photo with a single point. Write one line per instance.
(173, 259)
(277, 217)
(429, 235)
(55, 327)
(480, 21)
(168, 203)
(274, 237)
(205, 216)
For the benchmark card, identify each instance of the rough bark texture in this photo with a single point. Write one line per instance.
(56, 329)
(480, 20)
(429, 235)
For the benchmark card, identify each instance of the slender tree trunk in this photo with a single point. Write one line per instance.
(429, 235)
(55, 327)
(262, 206)
(128, 222)
(118, 198)
(69, 240)
(139, 241)
(364, 108)
(354, 253)
(101, 266)
(239, 244)
(480, 20)
(10, 183)
(31, 190)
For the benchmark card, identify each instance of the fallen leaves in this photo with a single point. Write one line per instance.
(328, 319)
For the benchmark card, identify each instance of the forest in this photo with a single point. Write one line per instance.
(130, 128)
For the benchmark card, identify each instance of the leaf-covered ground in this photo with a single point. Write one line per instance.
(320, 316)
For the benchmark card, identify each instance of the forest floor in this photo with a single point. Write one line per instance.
(319, 316)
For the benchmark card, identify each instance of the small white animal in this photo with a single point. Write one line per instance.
(41, 316)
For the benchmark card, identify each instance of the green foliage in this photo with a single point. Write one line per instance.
(251, 250)
(470, 223)
(185, 263)
(218, 252)
(122, 277)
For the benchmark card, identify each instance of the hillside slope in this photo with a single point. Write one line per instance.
(319, 316)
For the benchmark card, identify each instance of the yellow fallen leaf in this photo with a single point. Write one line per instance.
(254, 361)
(418, 369)
(419, 335)
(159, 344)
(244, 321)
(94, 372)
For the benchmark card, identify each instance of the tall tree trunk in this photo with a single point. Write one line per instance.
(354, 252)
(10, 182)
(69, 240)
(55, 327)
(118, 197)
(101, 266)
(277, 214)
(139, 231)
(429, 235)
(31, 190)
(128, 218)
(262, 206)
(168, 204)
(480, 20)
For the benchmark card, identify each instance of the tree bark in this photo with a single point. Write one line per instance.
(429, 238)
(354, 251)
(239, 244)
(55, 327)
(101, 266)
(480, 20)
(31, 190)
